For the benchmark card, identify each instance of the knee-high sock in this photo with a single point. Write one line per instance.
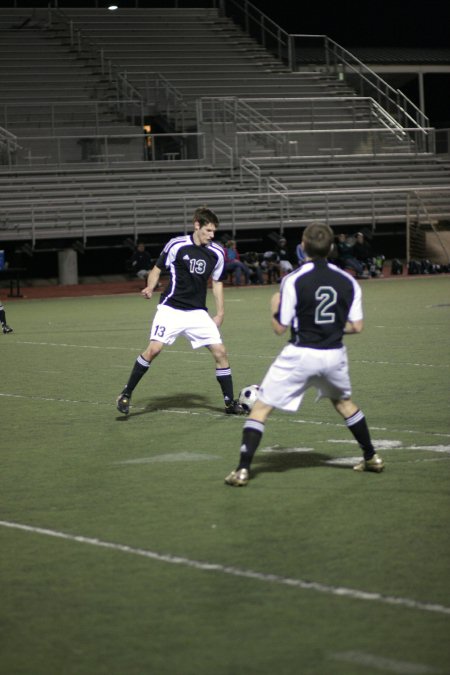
(140, 367)
(224, 378)
(358, 426)
(251, 438)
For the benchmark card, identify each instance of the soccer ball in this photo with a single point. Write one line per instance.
(248, 396)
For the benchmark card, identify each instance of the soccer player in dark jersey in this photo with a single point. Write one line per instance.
(320, 303)
(191, 260)
(5, 328)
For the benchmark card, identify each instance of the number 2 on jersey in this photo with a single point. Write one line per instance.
(326, 297)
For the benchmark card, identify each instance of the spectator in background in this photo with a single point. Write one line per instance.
(271, 266)
(234, 265)
(283, 255)
(251, 259)
(140, 262)
(345, 257)
(362, 250)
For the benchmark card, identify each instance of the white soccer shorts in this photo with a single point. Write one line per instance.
(196, 325)
(296, 369)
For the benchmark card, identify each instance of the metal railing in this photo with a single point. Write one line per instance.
(259, 26)
(248, 168)
(227, 115)
(307, 112)
(85, 47)
(161, 96)
(9, 146)
(85, 217)
(70, 151)
(52, 116)
(335, 60)
(220, 148)
(325, 143)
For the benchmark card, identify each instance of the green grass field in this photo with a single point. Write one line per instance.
(123, 552)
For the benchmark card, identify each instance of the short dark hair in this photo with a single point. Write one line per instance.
(203, 216)
(317, 240)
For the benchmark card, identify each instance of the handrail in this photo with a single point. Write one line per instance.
(267, 30)
(419, 119)
(89, 205)
(170, 92)
(21, 204)
(371, 132)
(84, 43)
(239, 113)
(248, 166)
(218, 145)
(8, 146)
(9, 138)
(149, 146)
(52, 107)
(276, 186)
(333, 54)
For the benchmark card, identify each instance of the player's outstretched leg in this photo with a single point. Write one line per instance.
(225, 380)
(251, 438)
(140, 367)
(356, 423)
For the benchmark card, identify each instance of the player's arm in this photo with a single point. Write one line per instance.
(353, 327)
(217, 289)
(152, 282)
(274, 308)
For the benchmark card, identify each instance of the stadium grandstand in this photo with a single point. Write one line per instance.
(116, 125)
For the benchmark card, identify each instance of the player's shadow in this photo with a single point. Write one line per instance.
(184, 401)
(283, 460)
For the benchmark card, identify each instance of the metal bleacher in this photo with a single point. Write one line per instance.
(266, 142)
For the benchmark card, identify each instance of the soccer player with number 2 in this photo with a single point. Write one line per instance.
(190, 260)
(320, 303)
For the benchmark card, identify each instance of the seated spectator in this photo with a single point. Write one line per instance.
(140, 262)
(283, 256)
(234, 265)
(345, 257)
(270, 264)
(362, 251)
(251, 259)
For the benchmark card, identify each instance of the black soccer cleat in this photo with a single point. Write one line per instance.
(123, 403)
(6, 328)
(234, 408)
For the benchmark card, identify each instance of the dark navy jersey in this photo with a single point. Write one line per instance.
(190, 266)
(316, 301)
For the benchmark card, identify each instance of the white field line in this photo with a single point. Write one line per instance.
(339, 591)
(385, 665)
(285, 419)
(205, 353)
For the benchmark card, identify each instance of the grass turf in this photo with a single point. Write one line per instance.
(226, 590)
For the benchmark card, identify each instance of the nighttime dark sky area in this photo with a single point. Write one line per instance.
(363, 23)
